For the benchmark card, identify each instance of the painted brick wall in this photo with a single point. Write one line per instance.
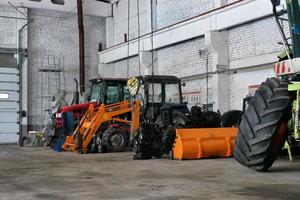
(239, 83)
(8, 28)
(184, 60)
(120, 20)
(56, 33)
(172, 11)
(195, 91)
(251, 39)
(119, 69)
(231, 1)
(166, 12)
(248, 40)
(254, 38)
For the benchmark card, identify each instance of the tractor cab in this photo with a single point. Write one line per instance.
(108, 91)
(103, 90)
(157, 93)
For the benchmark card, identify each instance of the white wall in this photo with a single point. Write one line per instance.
(8, 27)
(173, 11)
(240, 81)
(184, 60)
(90, 7)
(120, 20)
(252, 44)
(165, 13)
(254, 38)
(56, 33)
(9, 38)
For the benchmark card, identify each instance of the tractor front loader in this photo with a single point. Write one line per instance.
(92, 130)
(271, 119)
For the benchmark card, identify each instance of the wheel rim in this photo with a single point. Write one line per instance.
(116, 140)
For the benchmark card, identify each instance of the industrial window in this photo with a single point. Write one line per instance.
(59, 2)
(4, 96)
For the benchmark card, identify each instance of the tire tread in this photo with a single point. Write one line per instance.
(269, 108)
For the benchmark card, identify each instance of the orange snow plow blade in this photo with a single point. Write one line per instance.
(204, 143)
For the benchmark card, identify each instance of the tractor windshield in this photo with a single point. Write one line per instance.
(113, 93)
(172, 93)
(97, 91)
(155, 92)
(126, 93)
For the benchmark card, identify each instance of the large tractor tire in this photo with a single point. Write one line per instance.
(231, 118)
(115, 140)
(147, 143)
(169, 133)
(263, 129)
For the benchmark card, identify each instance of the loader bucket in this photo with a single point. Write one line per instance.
(204, 143)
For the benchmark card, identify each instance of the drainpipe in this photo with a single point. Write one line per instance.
(81, 47)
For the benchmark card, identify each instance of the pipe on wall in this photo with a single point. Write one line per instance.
(81, 47)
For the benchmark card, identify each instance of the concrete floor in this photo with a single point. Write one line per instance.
(36, 173)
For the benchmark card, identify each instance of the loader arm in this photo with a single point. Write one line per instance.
(94, 119)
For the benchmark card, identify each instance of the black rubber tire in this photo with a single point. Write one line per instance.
(79, 142)
(263, 129)
(108, 136)
(231, 118)
(93, 146)
(180, 120)
(147, 142)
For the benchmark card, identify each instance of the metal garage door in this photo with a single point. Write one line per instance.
(9, 105)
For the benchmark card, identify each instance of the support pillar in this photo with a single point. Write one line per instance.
(216, 42)
(146, 62)
(109, 31)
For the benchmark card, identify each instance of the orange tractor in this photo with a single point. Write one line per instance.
(66, 118)
(102, 122)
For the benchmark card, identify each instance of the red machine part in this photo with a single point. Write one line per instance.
(78, 111)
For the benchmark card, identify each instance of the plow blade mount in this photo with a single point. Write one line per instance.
(204, 143)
